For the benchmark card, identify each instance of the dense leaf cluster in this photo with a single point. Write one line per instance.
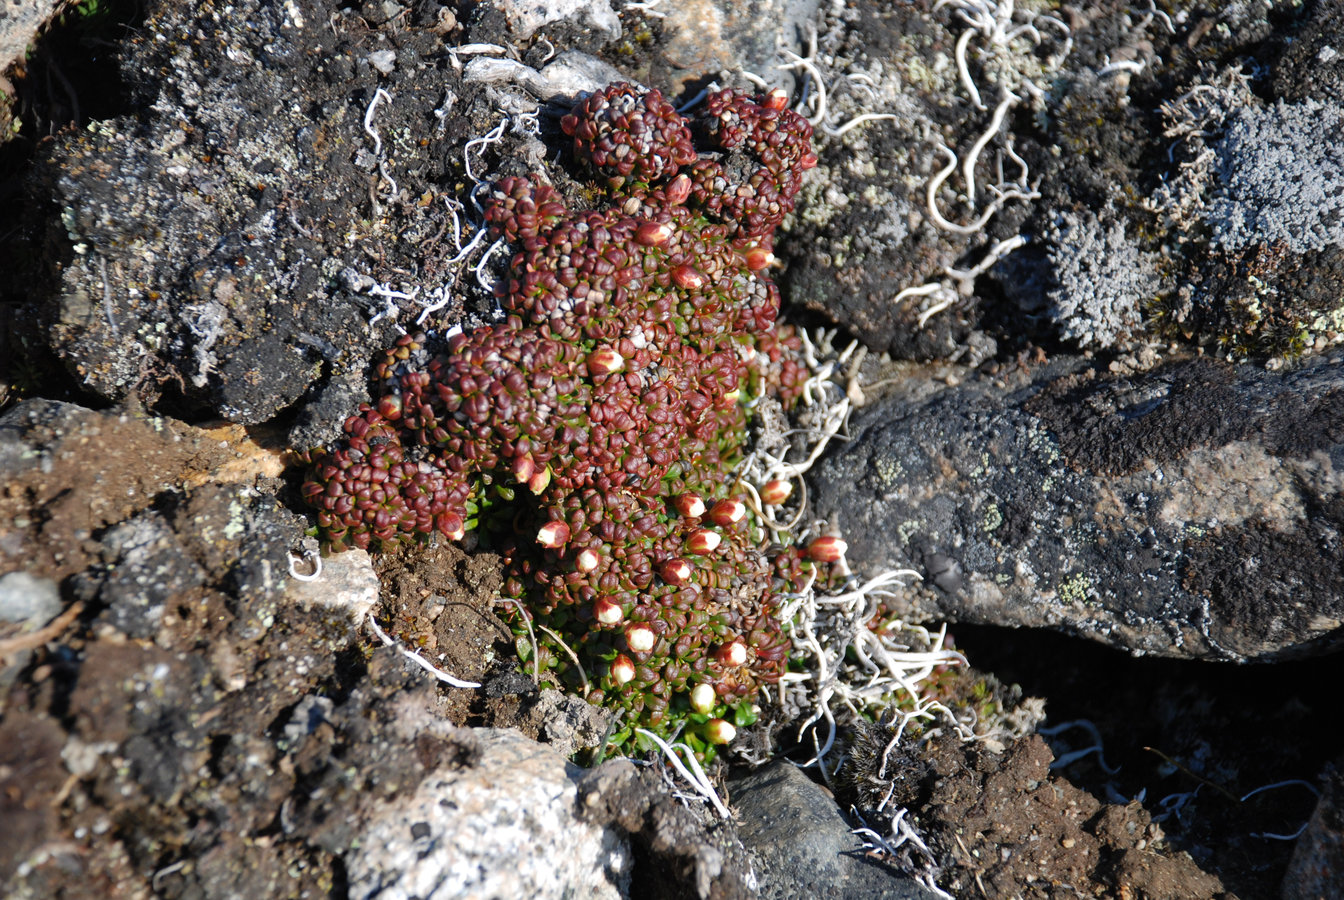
(606, 409)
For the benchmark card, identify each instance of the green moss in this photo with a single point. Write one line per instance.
(1076, 589)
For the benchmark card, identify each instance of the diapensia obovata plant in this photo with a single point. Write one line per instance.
(605, 417)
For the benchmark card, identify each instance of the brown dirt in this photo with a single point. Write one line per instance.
(1005, 827)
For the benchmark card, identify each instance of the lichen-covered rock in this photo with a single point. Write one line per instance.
(878, 219)
(1184, 512)
(203, 242)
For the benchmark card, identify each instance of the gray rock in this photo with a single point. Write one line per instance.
(701, 38)
(347, 586)
(319, 421)
(28, 601)
(150, 569)
(26, 604)
(526, 17)
(573, 72)
(385, 61)
(20, 21)
(801, 844)
(504, 827)
(493, 70)
(1193, 511)
(564, 79)
(568, 723)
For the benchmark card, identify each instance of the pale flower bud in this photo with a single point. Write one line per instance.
(758, 258)
(622, 669)
(703, 541)
(523, 469)
(539, 480)
(690, 505)
(640, 637)
(719, 731)
(727, 512)
(607, 611)
(687, 278)
(777, 98)
(678, 189)
(604, 361)
(553, 535)
(733, 654)
(587, 560)
(650, 234)
(676, 571)
(775, 492)
(703, 697)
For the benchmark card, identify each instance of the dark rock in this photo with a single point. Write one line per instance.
(687, 856)
(319, 420)
(253, 784)
(1192, 511)
(1312, 62)
(237, 868)
(149, 703)
(203, 242)
(802, 847)
(262, 572)
(1317, 866)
